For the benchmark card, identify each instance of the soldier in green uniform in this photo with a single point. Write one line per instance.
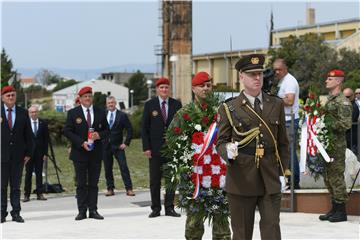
(211, 203)
(339, 108)
(253, 141)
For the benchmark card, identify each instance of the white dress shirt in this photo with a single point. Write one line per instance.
(91, 112)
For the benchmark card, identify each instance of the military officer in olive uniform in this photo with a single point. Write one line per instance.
(339, 108)
(253, 141)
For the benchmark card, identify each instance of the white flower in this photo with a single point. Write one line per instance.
(316, 112)
(206, 181)
(198, 170)
(222, 181)
(198, 127)
(207, 159)
(215, 169)
(196, 148)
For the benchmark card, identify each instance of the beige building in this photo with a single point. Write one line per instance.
(220, 65)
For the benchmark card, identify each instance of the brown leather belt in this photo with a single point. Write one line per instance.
(251, 150)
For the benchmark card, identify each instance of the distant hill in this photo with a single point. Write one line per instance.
(86, 74)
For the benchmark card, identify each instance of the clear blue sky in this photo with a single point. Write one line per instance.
(102, 34)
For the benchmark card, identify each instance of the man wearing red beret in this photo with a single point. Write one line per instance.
(16, 149)
(86, 123)
(201, 113)
(157, 115)
(338, 108)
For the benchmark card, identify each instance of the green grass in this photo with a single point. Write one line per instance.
(137, 163)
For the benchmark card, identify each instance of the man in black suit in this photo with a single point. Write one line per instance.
(85, 126)
(16, 149)
(158, 114)
(115, 145)
(40, 135)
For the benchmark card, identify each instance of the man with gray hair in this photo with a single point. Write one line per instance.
(40, 137)
(115, 145)
(351, 134)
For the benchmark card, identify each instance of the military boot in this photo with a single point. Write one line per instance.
(331, 212)
(340, 213)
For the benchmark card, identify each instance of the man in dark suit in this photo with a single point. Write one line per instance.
(115, 145)
(85, 126)
(16, 149)
(40, 135)
(158, 114)
(252, 127)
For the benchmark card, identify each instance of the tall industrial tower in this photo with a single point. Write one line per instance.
(176, 49)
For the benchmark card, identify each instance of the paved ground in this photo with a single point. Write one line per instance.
(126, 218)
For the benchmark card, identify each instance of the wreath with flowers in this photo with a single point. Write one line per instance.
(184, 143)
(313, 115)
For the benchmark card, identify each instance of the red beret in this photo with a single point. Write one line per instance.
(200, 78)
(336, 73)
(162, 81)
(7, 89)
(85, 90)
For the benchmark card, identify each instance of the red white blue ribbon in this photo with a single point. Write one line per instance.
(209, 139)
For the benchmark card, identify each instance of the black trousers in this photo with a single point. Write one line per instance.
(124, 170)
(87, 177)
(35, 163)
(11, 173)
(155, 167)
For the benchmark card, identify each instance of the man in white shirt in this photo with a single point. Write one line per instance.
(289, 93)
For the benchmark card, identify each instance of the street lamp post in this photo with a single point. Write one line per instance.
(132, 97)
(149, 84)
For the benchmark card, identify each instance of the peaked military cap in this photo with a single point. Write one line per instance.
(251, 63)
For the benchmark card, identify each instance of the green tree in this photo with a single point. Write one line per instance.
(6, 69)
(137, 82)
(309, 59)
(46, 77)
(99, 100)
(352, 79)
(64, 84)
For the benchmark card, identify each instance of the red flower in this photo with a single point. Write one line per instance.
(318, 105)
(177, 130)
(198, 138)
(207, 170)
(215, 117)
(205, 120)
(223, 169)
(204, 106)
(306, 108)
(215, 159)
(215, 180)
(186, 117)
(312, 96)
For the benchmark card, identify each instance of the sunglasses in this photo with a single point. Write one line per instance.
(10, 95)
(348, 96)
(357, 93)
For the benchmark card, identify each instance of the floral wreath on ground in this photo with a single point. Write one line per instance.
(314, 115)
(184, 141)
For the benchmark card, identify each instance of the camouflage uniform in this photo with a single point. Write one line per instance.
(340, 109)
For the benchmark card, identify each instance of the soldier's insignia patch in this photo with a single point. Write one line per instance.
(78, 120)
(255, 60)
(155, 113)
(332, 73)
(347, 103)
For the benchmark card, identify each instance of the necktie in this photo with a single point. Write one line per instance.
(163, 111)
(88, 118)
(111, 121)
(257, 106)
(35, 128)
(9, 118)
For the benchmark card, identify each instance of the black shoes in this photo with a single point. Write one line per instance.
(17, 218)
(172, 213)
(40, 196)
(80, 216)
(3, 219)
(154, 214)
(95, 215)
(26, 198)
(336, 214)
